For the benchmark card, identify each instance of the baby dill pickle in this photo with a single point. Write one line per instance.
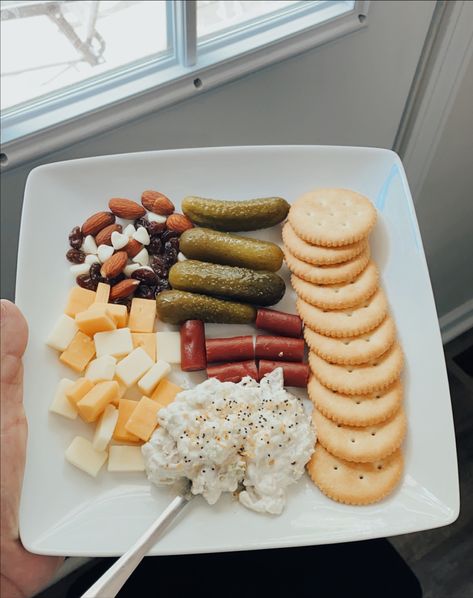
(175, 307)
(233, 250)
(250, 214)
(241, 284)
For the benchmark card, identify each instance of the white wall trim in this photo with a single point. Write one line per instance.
(452, 57)
(457, 321)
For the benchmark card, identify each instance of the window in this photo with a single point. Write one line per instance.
(107, 59)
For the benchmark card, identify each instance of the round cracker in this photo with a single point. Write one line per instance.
(359, 379)
(332, 217)
(353, 350)
(339, 296)
(356, 410)
(316, 254)
(354, 483)
(348, 322)
(328, 274)
(361, 444)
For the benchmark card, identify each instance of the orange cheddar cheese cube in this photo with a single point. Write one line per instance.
(78, 390)
(147, 340)
(94, 320)
(94, 402)
(142, 315)
(79, 300)
(143, 421)
(102, 293)
(125, 409)
(80, 351)
(119, 313)
(165, 392)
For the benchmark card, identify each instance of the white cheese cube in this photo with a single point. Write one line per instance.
(105, 427)
(168, 346)
(61, 404)
(102, 368)
(133, 367)
(113, 342)
(63, 332)
(82, 454)
(150, 380)
(125, 458)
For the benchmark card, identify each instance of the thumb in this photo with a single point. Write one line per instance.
(13, 340)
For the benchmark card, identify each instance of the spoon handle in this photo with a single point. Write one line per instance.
(113, 579)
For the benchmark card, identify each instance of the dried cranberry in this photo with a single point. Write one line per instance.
(158, 263)
(94, 273)
(169, 234)
(174, 242)
(75, 238)
(145, 291)
(154, 246)
(84, 281)
(170, 254)
(76, 256)
(146, 276)
(163, 285)
(156, 228)
(142, 222)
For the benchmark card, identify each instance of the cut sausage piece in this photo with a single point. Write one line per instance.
(280, 348)
(295, 374)
(237, 348)
(279, 322)
(233, 372)
(193, 346)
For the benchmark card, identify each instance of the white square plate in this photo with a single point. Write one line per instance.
(64, 511)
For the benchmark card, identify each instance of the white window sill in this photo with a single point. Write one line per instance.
(29, 136)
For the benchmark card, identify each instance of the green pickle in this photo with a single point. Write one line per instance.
(223, 215)
(233, 250)
(241, 284)
(175, 307)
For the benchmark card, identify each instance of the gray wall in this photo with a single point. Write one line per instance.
(444, 205)
(351, 92)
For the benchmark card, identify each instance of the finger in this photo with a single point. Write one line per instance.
(13, 340)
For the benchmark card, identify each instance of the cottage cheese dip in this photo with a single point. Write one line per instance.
(226, 437)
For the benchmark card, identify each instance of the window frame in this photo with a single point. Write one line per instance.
(71, 115)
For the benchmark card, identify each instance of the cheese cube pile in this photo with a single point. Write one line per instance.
(122, 364)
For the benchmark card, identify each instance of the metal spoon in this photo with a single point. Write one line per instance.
(113, 579)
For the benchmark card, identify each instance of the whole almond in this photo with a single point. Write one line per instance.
(123, 288)
(133, 248)
(126, 208)
(104, 237)
(178, 223)
(97, 222)
(157, 202)
(114, 265)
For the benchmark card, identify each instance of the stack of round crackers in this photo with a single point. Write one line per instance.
(354, 356)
